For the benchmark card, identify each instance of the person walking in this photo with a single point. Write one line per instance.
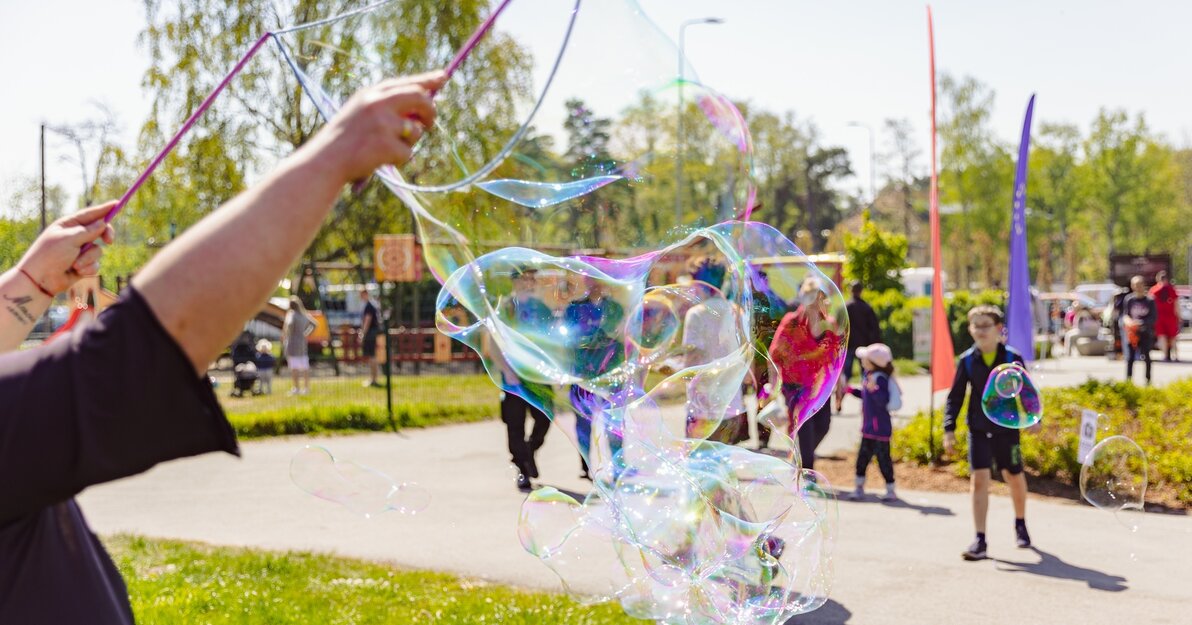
(988, 442)
(1167, 319)
(879, 393)
(804, 346)
(863, 329)
(1139, 315)
(524, 311)
(297, 326)
(370, 329)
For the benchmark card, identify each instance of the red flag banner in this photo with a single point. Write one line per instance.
(943, 364)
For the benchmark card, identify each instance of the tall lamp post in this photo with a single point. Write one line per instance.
(679, 160)
(872, 171)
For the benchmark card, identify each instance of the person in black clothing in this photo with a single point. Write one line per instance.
(524, 311)
(863, 329)
(370, 329)
(987, 442)
(1139, 315)
(129, 389)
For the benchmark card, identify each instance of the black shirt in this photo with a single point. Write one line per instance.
(370, 312)
(105, 402)
(863, 328)
(971, 371)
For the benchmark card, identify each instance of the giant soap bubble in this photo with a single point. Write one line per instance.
(588, 214)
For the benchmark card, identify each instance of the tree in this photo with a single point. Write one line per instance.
(874, 257)
(1133, 185)
(264, 114)
(977, 177)
(1055, 189)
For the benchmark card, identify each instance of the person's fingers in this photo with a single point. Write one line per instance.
(109, 235)
(400, 152)
(411, 104)
(91, 256)
(79, 234)
(430, 81)
(89, 214)
(87, 271)
(410, 131)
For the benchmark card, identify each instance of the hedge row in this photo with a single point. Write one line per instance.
(1158, 419)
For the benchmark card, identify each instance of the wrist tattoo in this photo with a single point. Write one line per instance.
(17, 307)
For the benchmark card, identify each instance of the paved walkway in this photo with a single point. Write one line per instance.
(894, 564)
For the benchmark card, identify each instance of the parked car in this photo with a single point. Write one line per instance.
(1185, 305)
(1101, 294)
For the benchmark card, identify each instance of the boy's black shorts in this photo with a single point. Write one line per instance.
(1002, 445)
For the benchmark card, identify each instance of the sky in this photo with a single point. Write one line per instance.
(831, 63)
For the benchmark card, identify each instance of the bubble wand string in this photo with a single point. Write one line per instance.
(468, 47)
(460, 56)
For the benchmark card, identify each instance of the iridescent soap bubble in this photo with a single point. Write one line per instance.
(1114, 478)
(588, 215)
(1011, 398)
(358, 488)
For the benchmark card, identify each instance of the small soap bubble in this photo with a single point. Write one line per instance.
(358, 488)
(1114, 478)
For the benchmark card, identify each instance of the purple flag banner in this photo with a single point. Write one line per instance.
(1019, 320)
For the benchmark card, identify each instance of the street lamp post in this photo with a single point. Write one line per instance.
(679, 137)
(872, 171)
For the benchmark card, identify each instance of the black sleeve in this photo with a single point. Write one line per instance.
(105, 402)
(956, 396)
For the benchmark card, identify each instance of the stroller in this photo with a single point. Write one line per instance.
(246, 377)
(243, 367)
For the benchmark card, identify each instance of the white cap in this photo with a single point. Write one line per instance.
(878, 353)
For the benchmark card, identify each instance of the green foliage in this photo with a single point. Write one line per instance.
(874, 257)
(177, 582)
(1158, 419)
(895, 314)
(342, 405)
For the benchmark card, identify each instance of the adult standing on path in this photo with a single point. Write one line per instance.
(297, 326)
(129, 390)
(1138, 323)
(863, 330)
(370, 329)
(1167, 320)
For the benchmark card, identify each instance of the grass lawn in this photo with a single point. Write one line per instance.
(342, 404)
(192, 584)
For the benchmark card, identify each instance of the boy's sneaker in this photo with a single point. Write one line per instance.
(1024, 539)
(890, 494)
(976, 551)
(857, 495)
(523, 483)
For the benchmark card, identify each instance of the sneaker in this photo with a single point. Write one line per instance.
(531, 467)
(976, 551)
(857, 495)
(1023, 538)
(292, 392)
(523, 483)
(890, 494)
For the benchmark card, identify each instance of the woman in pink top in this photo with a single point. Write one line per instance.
(805, 349)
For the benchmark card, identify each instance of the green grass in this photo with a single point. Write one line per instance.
(342, 404)
(187, 583)
(1158, 419)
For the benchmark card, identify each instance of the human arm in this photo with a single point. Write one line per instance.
(952, 406)
(52, 263)
(207, 282)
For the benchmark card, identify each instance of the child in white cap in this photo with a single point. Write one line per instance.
(879, 394)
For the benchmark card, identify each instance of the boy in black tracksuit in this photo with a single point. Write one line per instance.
(987, 441)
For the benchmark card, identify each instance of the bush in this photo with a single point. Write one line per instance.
(895, 314)
(1158, 419)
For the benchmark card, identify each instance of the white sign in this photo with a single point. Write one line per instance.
(921, 334)
(1088, 434)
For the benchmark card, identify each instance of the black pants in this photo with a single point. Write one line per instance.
(1145, 344)
(812, 433)
(513, 413)
(870, 448)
